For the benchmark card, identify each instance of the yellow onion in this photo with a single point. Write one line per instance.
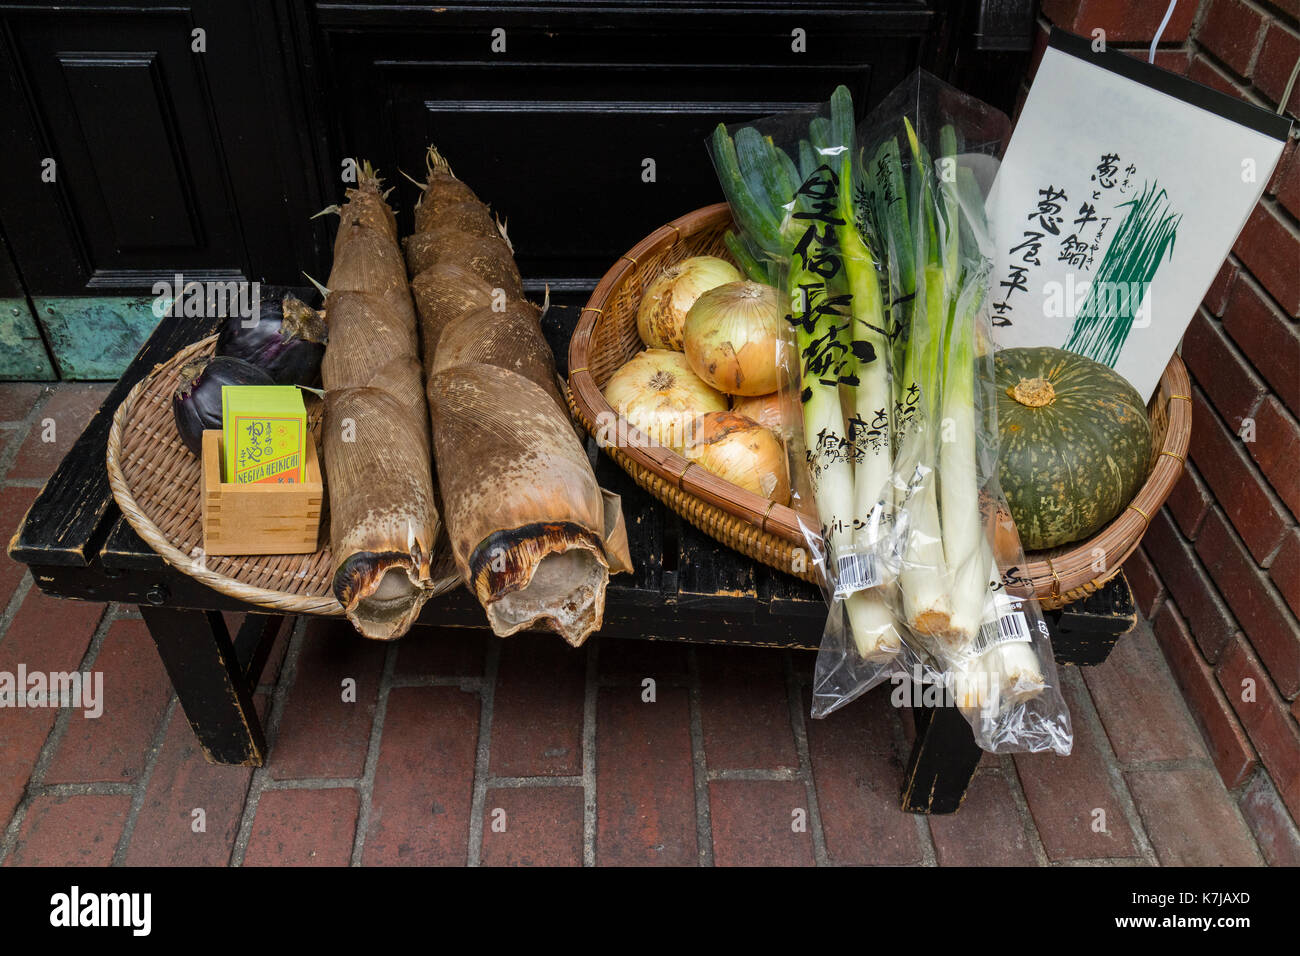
(658, 393)
(670, 296)
(731, 338)
(743, 452)
(764, 409)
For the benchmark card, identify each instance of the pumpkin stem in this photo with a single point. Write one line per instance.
(1033, 392)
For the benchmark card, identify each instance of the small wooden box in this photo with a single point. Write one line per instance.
(259, 518)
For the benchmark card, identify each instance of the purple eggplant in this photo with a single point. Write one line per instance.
(286, 340)
(196, 403)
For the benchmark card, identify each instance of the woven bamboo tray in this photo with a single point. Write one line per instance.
(606, 338)
(157, 484)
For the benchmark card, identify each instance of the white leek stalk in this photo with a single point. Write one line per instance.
(964, 545)
(1006, 674)
(924, 579)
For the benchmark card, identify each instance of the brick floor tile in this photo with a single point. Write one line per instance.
(754, 823)
(181, 782)
(1139, 703)
(24, 734)
(533, 826)
(321, 734)
(634, 659)
(1075, 805)
(49, 634)
(744, 710)
(17, 399)
(1190, 818)
(46, 634)
(14, 503)
(645, 789)
(80, 830)
(864, 724)
(114, 746)
(986, 831)
(443, 652)
(62, 418)
(857, 769)
(420, 802)
(537, 713)
(1275, 831)
(303, 828)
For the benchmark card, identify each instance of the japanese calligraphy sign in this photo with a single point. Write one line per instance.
(1121, 193)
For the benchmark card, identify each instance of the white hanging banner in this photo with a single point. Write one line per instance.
(1121, 192)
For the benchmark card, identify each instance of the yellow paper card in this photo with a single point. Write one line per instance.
(264, 433)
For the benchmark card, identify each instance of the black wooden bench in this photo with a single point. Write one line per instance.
(686, 587)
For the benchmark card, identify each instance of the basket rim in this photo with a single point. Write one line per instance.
(1056, 579)
(691, 478)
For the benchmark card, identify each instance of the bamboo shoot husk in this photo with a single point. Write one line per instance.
(425, 248)
(525, 516)
(442, 190)
(375, 432)
(356, 321)
(531, 532)
(511, 339)
(445, 291)
(489, 259)
(369, 210)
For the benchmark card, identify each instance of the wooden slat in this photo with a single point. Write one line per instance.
(706, 569)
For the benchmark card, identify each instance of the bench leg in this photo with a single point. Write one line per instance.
(943, 761)
(210, 682)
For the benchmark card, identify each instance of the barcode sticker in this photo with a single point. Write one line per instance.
(855, 572)
(1008, 628)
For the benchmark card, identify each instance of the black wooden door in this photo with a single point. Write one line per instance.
(145, 139)
(584, 124)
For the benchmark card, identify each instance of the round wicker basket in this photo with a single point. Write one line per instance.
(156, 482)
(606, 338)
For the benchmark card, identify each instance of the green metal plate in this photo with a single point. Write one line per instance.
(22, 353)
(95, 338)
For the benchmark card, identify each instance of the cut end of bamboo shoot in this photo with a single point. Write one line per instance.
(542, 575)
(381, 594)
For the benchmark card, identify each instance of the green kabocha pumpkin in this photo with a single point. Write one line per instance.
(1075, 443)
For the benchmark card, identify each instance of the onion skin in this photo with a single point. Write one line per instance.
(731, 337)
(764, 409)
(287, 341)
(658, 393)
(743, 452)
(196, 403)
(667, 300)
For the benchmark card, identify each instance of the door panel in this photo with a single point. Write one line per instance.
(162, 214)
(118, 103)
(146, 140)
(555, 129)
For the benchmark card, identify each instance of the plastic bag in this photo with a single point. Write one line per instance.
(883, 254)
(791, 184)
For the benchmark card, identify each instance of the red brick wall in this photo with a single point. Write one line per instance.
(1218, 573)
